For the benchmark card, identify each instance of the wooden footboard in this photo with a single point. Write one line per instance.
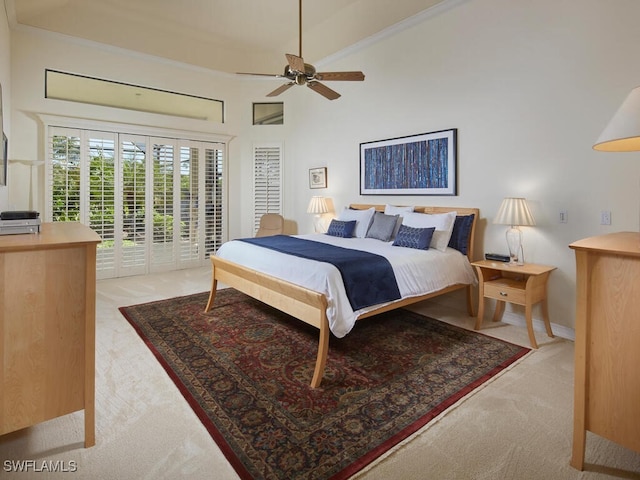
(311, 306)
(297, 301)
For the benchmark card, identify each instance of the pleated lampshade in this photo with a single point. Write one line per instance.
(514, 211)
(317, 205)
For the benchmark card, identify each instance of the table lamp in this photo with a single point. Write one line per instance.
(514, 212)
(317, 206)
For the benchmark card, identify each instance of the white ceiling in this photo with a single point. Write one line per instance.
(223, 35)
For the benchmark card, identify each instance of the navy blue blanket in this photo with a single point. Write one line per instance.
(368, 278)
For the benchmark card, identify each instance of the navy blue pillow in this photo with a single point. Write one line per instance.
(339, 228)
(460, 233)
(410, 237)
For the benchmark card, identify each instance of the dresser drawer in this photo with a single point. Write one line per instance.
(506, 289)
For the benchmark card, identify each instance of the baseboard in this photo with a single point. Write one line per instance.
(538, 326)
(456, 300)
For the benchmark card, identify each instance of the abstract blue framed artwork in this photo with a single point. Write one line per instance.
(423, 164)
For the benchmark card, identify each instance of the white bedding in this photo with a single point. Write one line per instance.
(417, 272)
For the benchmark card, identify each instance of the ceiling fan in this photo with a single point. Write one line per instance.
(300, 73)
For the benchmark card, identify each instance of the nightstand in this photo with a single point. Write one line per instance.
(520, 284)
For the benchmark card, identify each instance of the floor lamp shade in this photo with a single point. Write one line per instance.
(622, 134)
(514, 212)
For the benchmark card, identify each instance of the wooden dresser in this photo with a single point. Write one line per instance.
(607, 348)
(47, 326)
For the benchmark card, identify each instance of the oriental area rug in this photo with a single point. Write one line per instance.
(245, 369)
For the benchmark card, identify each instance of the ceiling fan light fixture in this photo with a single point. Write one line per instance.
(309, 70)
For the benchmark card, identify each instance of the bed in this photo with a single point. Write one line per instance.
(313, 292)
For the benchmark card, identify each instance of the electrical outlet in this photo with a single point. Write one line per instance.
(563, 216)
(605, 217)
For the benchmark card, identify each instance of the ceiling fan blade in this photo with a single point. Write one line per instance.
(295, 63)
(348, 76)
(323, 90)
(280, 89)
(274, 75)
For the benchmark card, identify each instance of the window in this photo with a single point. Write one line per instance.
(267, 181)
(79, 88)
(157, 203)
(268, 113)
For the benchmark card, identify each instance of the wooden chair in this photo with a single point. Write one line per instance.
(270, 224)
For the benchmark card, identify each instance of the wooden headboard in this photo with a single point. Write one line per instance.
(432, 209)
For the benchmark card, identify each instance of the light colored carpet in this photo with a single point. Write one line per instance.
(519, 426)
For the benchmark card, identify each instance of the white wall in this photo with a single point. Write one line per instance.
(528, 85)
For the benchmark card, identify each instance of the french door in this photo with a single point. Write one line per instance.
(157, 203)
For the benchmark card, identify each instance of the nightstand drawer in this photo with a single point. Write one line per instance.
(506, 289)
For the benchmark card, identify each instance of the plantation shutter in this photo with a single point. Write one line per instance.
(201, 216)
(165, 204)
(267, 181)
(63, 175)
(133, 202)
(214, 206)
(80, 181)
(189, 188)
(101, 198)
(157, 203)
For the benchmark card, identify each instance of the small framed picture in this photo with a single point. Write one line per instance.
(318, 177)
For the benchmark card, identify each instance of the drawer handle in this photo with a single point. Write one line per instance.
(504, 294)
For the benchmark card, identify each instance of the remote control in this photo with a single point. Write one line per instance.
(498, 257)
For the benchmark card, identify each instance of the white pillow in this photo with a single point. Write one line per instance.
(363, 219)
(393, 210)
(443, 222)
(400, 211)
